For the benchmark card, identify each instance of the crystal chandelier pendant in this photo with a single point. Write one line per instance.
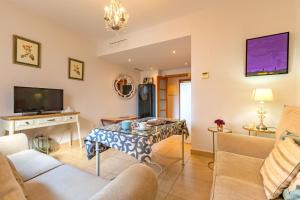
(115, 16)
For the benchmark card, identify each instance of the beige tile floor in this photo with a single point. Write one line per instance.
(193, 181)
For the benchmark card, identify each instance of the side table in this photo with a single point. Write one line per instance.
(269, 130)
(214, 130)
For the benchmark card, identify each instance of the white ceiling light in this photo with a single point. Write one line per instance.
(129, 59)
(174, 52)
(115, 16)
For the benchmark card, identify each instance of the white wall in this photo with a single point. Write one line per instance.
(180, 70)
(90, 96)
(218, 42)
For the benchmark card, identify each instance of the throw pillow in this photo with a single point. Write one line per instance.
(288, 134)
(10, 189)
(293, 191)
(280, 167)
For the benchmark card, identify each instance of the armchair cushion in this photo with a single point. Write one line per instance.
(245, 145)
(239, 167)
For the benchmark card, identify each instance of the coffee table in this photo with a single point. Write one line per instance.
(135, 142)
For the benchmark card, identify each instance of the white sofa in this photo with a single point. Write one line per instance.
(239, 159)
(45, 178)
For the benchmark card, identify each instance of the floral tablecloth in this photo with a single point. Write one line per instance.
(136, 143)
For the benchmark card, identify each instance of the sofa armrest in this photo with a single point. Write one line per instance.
(253, 146)
(13, 143)
(138, 182)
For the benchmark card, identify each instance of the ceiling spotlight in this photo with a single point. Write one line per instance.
(186, 63)
(129, 59)
(174, 52)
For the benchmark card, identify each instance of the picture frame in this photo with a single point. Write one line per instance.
(26, 52)
(267, 55)
(76, 69)
(148, 80)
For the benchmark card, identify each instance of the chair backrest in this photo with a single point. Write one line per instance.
(13, 143)
(290, 121)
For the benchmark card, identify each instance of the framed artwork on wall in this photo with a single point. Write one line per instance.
(148, 80)
(267, 55)
(76, 69)
(26, 52)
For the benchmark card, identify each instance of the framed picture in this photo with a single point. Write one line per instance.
(76, 69)
(148, 80)
(267, 55)
(26, 52)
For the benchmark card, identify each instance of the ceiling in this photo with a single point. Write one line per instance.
(159, 56)
(86, 16)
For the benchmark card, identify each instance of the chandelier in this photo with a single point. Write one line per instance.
(115, 16)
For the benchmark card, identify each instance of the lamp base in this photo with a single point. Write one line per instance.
(261, 127)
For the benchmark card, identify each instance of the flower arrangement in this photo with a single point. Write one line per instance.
(220, 123)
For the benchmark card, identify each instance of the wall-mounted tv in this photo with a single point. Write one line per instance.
(37, 100)
(267, 55)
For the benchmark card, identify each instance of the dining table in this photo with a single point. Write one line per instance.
(135, 141)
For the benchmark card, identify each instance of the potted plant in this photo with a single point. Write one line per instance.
(220, 124)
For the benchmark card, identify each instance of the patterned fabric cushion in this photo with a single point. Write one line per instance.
(294, 195)
(280, 167)
(293, 191)
(9, 187)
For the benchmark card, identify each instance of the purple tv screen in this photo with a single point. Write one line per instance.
(267, 55)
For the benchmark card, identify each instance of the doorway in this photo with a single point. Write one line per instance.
(185, 109)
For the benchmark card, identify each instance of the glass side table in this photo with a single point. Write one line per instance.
(214, 130)
(269, 130)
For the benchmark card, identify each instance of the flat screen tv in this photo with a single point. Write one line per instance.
(267, 55)
(37, 100)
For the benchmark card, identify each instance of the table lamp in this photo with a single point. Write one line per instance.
(262, 95)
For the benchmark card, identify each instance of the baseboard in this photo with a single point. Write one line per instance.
(201, 153)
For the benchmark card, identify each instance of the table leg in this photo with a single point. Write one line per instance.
(214, 145)
(182, 149)
(97, 159)
(71, 135)
(210, 164)
(79, 134)
(11, 127)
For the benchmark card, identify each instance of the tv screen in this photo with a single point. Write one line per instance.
(27, 99)
(267, 55)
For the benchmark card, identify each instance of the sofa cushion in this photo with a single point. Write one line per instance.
(236, 189)
(31, 163)
(64, 182)
(9, 187)
(16, 174)
(138, 182)
(238, 166)
(281, 167)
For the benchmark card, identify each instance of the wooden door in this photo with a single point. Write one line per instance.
(162, 100)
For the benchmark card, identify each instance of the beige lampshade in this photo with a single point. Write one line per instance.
(262, 94)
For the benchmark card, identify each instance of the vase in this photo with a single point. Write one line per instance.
(220, 128)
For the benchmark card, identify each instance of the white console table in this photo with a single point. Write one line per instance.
(20, 123)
